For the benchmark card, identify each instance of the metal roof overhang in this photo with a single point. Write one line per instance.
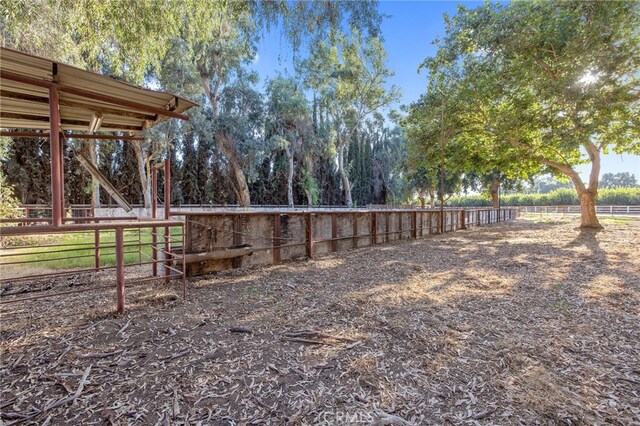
(24, 98)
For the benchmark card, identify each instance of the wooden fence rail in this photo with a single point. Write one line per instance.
(216, 241)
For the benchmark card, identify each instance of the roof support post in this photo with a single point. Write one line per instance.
(167, 214)
(120, 269)
(154, 215)
(57, 185)
(62, 206)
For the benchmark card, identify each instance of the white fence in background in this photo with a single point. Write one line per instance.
(601, 210)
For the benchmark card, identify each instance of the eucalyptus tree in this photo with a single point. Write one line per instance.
(288, 122)
(388, 152)
(222, 38)
(350, 75)
(123, 38)
(218, 38)
(565, 75)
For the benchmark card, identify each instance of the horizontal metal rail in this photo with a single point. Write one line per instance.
(124, 252)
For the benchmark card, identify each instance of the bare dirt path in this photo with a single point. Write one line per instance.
(530, 322)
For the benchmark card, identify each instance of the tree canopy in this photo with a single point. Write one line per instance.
(514, 91)
(540, 86)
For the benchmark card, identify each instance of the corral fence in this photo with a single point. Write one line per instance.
(220, 240)
(601, 210)
(38, 260)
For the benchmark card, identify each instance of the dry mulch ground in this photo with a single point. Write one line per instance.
(529, 322)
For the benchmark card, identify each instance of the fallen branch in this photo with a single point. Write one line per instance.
(301, 340)
(101, 354)
(174, 356)
(483, 414)
(385, 419)
(124, 327)
(73, 397)
(317, 334)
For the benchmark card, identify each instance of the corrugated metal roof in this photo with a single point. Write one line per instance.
(24, 97)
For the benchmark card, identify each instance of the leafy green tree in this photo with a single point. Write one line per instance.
(350, 75)
(565, 76)
(288, 122)
(437, 158)
(93, 34)
(222, 37)
(215, 40)
(624, 179)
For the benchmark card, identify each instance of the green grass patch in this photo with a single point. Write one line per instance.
(81, 252)
(615, 220)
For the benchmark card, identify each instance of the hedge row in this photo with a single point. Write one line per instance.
(558, 197)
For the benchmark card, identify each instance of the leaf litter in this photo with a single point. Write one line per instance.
(517, 323)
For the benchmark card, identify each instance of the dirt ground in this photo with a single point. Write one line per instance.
(529, 322)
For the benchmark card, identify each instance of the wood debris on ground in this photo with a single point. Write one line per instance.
(527, 322)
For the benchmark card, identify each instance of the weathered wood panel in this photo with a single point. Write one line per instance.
(276, 236)
(322, 234)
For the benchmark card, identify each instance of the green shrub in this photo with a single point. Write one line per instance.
(558, 197)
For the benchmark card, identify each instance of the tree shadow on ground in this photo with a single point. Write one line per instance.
(490, 324)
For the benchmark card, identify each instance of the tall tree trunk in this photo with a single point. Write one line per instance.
(307, 194)
(495, 193)
(588, 217)
(345, 178)
(309, 171)
(145, 180)
(240, 180)
(586, 196)
(289, 152)
(222, 141)
(432, 199)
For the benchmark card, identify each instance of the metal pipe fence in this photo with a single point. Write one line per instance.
(42, 253)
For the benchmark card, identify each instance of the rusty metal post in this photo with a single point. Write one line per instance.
(54, 144)
(62, 204)
(463, 219)
(399, 225)
(184, 265)
(374, 228)
(355, 230)
(276, 238)
(309, 235)
(334, 232)
(167, 188)
(414, 225)
(237, 240)
(167, 214)
(386, 234)
(96, 242)
(140, 246)
(120, 269)
(154, 215)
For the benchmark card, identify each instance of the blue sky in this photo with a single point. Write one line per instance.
(409, 32)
